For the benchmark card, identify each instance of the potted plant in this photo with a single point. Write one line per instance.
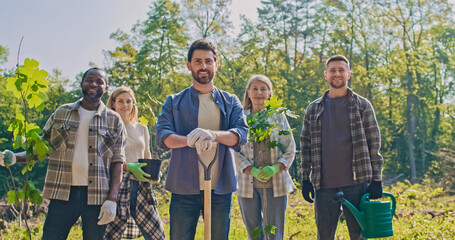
(262, 126)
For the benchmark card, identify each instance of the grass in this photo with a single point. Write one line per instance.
(422, 212)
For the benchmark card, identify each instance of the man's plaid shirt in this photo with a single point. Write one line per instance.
(367, 161)
(106, 138)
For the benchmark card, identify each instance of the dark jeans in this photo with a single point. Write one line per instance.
(328, 212)
(186, 209)
(62, 215)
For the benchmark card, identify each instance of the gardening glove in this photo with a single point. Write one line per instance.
(375, 189)
(255, 173)
(308, 191)
(107, 212)
(136, 170)
(7, 158)
(203, 146)
(199, 134)
(269, 171)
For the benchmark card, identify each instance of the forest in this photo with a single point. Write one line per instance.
(402, 56)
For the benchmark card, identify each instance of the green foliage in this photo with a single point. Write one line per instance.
(423, 212)
(29, 193)
(261, 128)
(3, 54)
(30, 87)
(257, 232)
(30, 84)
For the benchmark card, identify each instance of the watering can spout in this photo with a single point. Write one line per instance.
(359, 216)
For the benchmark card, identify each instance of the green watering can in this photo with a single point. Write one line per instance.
(374, 218)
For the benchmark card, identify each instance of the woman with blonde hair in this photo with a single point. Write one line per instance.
(267, 184)
(137, 201)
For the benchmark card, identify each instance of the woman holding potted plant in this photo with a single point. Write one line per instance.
(137, 201)
(264, 161)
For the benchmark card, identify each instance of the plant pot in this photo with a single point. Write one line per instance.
(262, 154)
(152, 168)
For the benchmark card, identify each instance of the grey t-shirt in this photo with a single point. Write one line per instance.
(336, 144)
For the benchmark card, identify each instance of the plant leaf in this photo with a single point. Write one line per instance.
(143, 121)
(12, 197)
(256, 233)
(269, 229)
(281, 147)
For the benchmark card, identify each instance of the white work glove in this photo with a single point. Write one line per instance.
(7, 158)
(203, 146)
(107, 212)
(199, 134)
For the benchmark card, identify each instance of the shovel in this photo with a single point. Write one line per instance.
(208, 193)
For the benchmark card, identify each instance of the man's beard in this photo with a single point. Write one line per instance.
(333, 85)
(202, 80)
(88, 96)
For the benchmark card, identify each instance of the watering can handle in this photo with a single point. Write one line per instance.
(384, 194)
(394, 201)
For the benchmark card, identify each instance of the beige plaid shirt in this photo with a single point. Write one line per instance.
(106, 139)
(282, 182)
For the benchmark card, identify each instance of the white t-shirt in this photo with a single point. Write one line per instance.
(208, 118)
(80, 155)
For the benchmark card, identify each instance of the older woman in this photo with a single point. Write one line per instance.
(253, 177)
(136, 197)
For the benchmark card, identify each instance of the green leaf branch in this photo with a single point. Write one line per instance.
(29, 85)
(261, 128)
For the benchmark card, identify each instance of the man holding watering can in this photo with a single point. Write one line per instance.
(189, 122)
(340, 143)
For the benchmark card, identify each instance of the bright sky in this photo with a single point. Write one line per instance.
(68, 34)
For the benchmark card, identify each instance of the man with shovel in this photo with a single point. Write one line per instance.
(340, 143)
(189, 122)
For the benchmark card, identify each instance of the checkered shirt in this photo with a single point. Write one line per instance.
(367, 162)
(106, 138)
(147, 216)
(282, 182)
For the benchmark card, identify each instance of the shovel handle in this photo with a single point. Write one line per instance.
(208, 194)
(208, 168)
(207, 209)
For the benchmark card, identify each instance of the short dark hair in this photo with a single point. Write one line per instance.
(337, 58)
(202, 44)
(98, 69)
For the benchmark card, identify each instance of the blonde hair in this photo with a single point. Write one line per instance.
(247, 104)
(114, 95)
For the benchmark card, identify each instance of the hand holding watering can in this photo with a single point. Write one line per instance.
(374, 217)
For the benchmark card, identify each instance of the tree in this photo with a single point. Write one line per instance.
(210, 17)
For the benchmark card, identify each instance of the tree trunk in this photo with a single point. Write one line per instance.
(411, 124)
